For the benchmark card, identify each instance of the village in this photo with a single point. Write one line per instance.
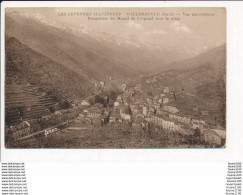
(128, 107)
(132, 107)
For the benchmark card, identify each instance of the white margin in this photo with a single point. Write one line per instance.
(234, 98)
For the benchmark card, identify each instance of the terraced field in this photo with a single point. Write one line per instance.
(24, 102)
(36, 86)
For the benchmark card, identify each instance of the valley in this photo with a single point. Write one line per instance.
(92, 89)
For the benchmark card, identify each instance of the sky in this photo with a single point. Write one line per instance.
(198, 32)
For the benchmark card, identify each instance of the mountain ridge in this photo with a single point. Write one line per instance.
(90, 50)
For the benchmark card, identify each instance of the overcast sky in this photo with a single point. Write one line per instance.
(193, 32)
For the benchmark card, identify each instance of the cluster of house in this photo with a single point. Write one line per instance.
(94, 115)
(151, 80)
(120, 117)
(121, 110)
(138, 110)
(100, 84)
(165, 124)
(27, 127)
(141, 110)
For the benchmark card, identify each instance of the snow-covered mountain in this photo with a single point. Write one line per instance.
(90, 53)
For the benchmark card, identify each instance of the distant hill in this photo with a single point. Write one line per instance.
(214, 58)
(209, 67)
(39, 70)
(199, 81)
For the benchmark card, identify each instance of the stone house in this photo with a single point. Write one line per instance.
(212, 137)
(171, 109)
(164, 123)
(166, 90)
(182, 119)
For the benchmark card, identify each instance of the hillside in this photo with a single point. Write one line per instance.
(199, 81)
(214, 58)
(37, 69)
(188, 75)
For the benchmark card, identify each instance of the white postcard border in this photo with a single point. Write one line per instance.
(234, 109)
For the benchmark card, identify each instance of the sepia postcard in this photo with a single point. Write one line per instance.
(115, 77)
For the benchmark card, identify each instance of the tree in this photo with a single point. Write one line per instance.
(65, 105)
(52, 110)
(128, 110)
(197, 132)
(149, 93)
(101, 100)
